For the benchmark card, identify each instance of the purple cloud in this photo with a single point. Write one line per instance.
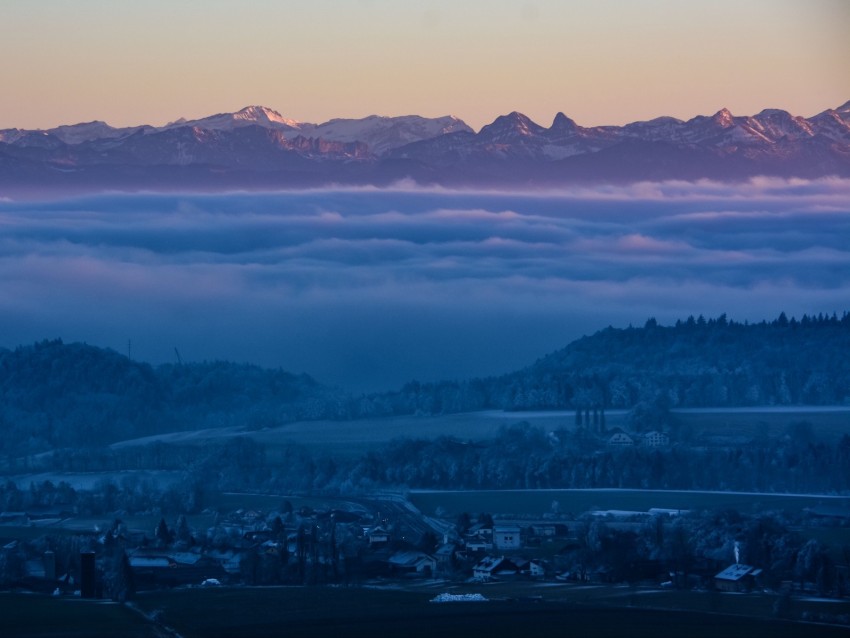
(368, 288)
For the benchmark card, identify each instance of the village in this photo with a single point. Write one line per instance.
(383, 539)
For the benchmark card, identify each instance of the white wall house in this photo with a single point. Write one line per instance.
(506, 537)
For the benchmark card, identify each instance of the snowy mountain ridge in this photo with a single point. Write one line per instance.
(257, 147)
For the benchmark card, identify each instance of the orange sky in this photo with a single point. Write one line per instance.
(601, 62)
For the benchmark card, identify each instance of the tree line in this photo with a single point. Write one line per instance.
(520, 457)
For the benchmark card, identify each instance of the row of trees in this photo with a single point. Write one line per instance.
(521, 456)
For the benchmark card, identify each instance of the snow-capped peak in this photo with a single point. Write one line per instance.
(250, 115)
(263, 114)
(724, 117)
(381, 133)
(514, 123)
(777, 124)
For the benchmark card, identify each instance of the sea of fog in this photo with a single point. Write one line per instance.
(367, 289)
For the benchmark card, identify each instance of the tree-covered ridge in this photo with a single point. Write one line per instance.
(713, 363)
(54, 394)
(695, 363)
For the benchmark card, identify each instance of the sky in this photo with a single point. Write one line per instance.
(599, 61)
(367, 289)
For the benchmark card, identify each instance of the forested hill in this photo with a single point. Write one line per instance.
(54, 394)
(695, 363)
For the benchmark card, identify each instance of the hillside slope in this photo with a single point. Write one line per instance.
(695, 363)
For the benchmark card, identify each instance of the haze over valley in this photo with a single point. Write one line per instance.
(368, 290)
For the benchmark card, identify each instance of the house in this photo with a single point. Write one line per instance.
(506, 537)
(491, 567)
(737, 577)
(479, 539)
(531, 568)
(481, 530)
(620, 439)
(411, 562)
(656, 439)
(378, 536)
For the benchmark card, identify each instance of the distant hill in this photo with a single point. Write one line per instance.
(55, 395)
(695, 363)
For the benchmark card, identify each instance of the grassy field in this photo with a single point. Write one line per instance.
(757, 604)
(34, 615)
(539, 502)
(343, 612)
(516, 609)
(353, 438)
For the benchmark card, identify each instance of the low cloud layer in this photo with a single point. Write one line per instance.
(367, 289)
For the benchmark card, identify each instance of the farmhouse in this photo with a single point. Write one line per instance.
(479, 539)
(412, 563)
(737, 577)
(531, 568)
(490, 567)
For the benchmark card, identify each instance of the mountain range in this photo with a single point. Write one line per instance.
(258, 148)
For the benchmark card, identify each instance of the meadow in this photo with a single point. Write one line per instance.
(34, 615)
(513, 611)
(347, 439)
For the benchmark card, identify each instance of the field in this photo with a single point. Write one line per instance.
(34, 615)
(539, 502)
(516, 609)
(345, 612)
(353, 438)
